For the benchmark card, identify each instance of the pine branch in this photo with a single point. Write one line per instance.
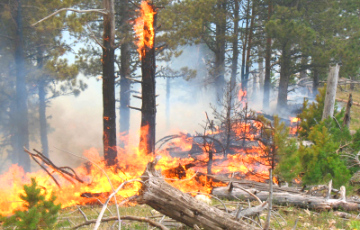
(101, 11)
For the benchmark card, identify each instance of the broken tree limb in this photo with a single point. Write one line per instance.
(182, 207)
(115, 218)
(343, 100)
(253, 211)
(284, 198)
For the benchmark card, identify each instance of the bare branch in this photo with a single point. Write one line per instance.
(101, 11)
(114, 218)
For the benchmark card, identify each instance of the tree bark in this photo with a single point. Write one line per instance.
(148, 108)
(108, 60)
(182, 207)
(125, 83)
(266, 99)
(316, 78)
(331, 91)
(21, 112)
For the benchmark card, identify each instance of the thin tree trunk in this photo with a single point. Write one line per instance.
(303, 73)
(108, 59)
(42, 104)
(235, 57)
(331, 92)
(42, 118)
(21, 113)
(266, 99)
(148, 108)
(284, 79)
(125, 83)
(220, 47)
(316, 81)
(167, 105)
(248, 52)
(243, 61)
(347, 116)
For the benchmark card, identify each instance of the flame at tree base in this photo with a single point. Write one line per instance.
(130, 166)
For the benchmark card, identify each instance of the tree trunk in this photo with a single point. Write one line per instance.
(167, 105)
(108, 59)
(243, 58)
(220, 47)
(42, 118)
(248, 52)
(284, 79)
(125, 83)
(315, 81)
(303, 73)
(22, 131)
(182, 207)
(347, 117)
(42, 103)
(235, 43)
(331, 92)
(148, 108)
(266, 99)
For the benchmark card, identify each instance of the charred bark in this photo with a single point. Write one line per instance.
(148, 107)
(108, 87)
(182, 207)
(21, 114)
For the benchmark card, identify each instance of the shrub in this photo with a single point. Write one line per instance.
(39, 212)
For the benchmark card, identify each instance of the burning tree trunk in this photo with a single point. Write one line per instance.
(331, 91)
(182, 207)
(145, 29)
(108, 59)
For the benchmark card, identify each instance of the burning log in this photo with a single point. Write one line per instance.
(182, 207)
(285, 198)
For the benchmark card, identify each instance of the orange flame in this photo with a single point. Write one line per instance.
(244, 163)
(144, 28)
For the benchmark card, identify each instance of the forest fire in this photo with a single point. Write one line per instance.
(100, 179)
(294, 126)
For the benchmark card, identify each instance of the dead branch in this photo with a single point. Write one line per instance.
(98, 221)
(101, 11)
(114, 218)
(69, 176)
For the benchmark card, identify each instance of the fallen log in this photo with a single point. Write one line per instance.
(182, 207)
(343, 100)
(285, 198)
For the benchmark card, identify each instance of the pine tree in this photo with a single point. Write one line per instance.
(39, 213)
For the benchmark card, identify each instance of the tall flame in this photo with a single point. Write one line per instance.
(144, 28)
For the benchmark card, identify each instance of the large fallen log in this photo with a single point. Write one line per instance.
(285, 198)
(182, 207)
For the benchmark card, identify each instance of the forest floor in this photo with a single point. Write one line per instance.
(284, 217)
